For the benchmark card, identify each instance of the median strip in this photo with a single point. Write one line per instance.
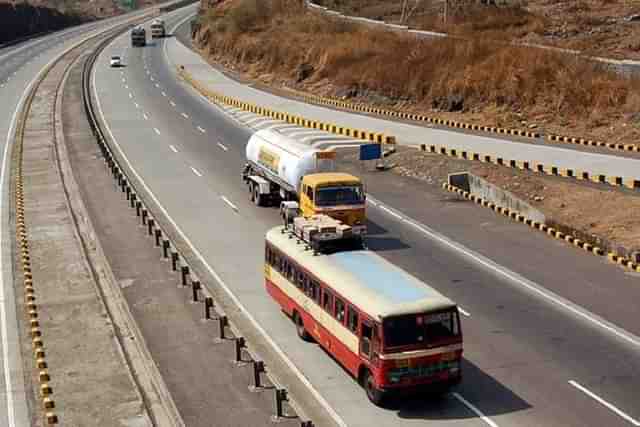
(224, 100)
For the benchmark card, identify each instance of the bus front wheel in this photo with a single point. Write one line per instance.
(300, 329)
(375, 395)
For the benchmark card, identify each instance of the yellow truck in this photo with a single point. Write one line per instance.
(303, 180)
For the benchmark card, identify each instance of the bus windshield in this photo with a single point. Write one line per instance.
(343, 195)
(421, 329)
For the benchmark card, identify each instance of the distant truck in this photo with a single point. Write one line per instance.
(157, 29)
(303, 179)
(138, 37)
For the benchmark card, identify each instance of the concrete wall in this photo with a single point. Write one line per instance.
(479, 187)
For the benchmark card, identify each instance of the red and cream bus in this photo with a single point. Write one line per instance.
(391, 331)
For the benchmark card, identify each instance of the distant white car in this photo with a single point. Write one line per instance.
(115, 61)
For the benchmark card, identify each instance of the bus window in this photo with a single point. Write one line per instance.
(290, 272)
(327, 301)
(352, 320)
(300, 279)
(339, 310)
(312, 290)
(367, 337)
(310, 193)
(275, 259)
(316, 294)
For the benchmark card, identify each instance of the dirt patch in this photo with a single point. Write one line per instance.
(281, 44)
(606, 217)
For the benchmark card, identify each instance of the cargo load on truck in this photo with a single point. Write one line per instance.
(138, 37)
(303, 180)
(157, 28)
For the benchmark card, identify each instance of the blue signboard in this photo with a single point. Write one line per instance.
(370, 151)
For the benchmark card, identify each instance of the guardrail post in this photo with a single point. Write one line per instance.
(258, 368)
(185, 274)
(128, 191)
(133, 199)
(174, 261)
(158, 235)
(281, 396)
(240, 344)
(150, 225)
(307, 423)
(138, 208)
(195, 287)
(165, 248)
(222, 324)
(208, 305)
(145, 213)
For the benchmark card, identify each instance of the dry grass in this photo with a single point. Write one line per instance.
(278, 37)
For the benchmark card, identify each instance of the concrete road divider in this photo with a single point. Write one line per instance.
(549, 231)
(616, 181)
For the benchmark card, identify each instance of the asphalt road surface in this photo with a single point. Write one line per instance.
(531, 357)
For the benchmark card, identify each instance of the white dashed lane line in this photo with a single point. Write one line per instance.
(156, 130)
(164, 94)
(223, 147)
(130, 95)
(136, 104)
(174, 149)
(184, 115)
(228, 202)
(201, 130)
(173, 104)
(195, 171)
(145, 116)
(603, 402)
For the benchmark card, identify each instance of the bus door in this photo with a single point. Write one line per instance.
(369, 341)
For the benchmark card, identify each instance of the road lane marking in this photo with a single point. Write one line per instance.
(136, 104)
(173, 104)
(174, 149)
(196, 171)
(157, 131)
(475, 410)
(201, 130)
(390, 212)
(126, 86)
(184, 115)
(223, 147)
(605, 403)
(519, 280)
(464, 312)
(145, 116)
(152, 79)
(228, 202)
(157, 85)
(164, 94)
(130, 95)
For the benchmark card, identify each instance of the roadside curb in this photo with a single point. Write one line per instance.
(549, 231)
(545, 169)
(374, 137)
(591, 143)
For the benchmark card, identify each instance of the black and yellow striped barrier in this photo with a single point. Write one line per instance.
(549, 231)
(591, 143)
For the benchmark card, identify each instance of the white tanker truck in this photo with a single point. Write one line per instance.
(302, 179)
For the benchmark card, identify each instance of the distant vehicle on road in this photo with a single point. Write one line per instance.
(157, 29)
(303, 179)
(138, 37)
(115, 61)
(391, 331)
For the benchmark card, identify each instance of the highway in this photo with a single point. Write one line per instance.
(19, 66)
(539, 346)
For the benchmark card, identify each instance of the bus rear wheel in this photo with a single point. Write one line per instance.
(300, 329)
(375, 395)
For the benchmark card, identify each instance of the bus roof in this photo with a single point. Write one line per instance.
(333, 177)
(372, 283)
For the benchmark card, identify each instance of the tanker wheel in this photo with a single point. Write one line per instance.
(257, 197)
(251, 190)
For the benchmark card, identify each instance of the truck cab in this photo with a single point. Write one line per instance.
(338, 195)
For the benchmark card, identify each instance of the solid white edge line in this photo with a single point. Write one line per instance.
(283, 356)
(390, 212)
(603, 402)
(475, 410)
(222, 146)
(196, 171)
(228, 202)
(157, 130)
(517, 279)
(174, 149)
(201, 129)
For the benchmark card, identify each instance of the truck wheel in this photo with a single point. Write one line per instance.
(375, 395)
(251, 189)
(257, 197)
(300, 329)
